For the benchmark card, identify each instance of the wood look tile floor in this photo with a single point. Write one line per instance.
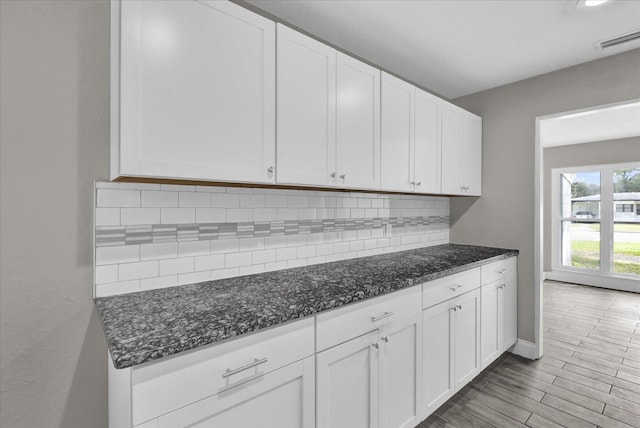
(589, 375)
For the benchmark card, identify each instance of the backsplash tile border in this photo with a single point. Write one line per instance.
(151, 236)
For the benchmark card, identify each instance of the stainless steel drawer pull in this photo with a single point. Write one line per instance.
(231, 372)
(242, 382)
(456, 288)
(381, 317)
(501, 271)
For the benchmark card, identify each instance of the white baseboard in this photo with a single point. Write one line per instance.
(525, 349)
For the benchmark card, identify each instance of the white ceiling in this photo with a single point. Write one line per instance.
(599, 124)
(458, 47)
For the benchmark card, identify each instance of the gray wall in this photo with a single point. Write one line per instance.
(504, 215)
(55, 140)
(596, 153)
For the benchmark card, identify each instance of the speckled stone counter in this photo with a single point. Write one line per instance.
(148, 325)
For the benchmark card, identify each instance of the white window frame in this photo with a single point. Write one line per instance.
(604, 276)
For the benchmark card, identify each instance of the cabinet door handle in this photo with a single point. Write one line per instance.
(418, 183)
(376, 345)
(242, 382)
(342, 176)
(332, 175)
(256, 362)
(456, 288)
(386, 339)
(455, 308)
(501, 271)
(381, 317)
(270, 171)
(459, 307)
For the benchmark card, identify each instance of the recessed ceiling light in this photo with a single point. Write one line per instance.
(583, 4)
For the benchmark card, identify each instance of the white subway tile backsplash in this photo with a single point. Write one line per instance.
(225, 246)
(297, 201)
(117, 198)
(306, 251)
(177, 188)
(106, 274)
(107, 216)
(264, 256)
(225, 200)
(239, 215)
(237, 259)
(152, 236)
(190, 278)
(119, 254)
(194, 199)
(158, 282)
(140, 186)
(159, 199)
(177, 215)
(194, 248)
(137, 270)
(287, 253)
(114, 288)
(211, 262)
(211, 215)
(252, 201)
(136, 216)
(176, 266)
(252, 269)
(225, 273)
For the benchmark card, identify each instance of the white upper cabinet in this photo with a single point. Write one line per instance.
(193, 91)
(306, 110)
(428, 156)
(411, 140)
(472, 154)
(451, 149)
(398, 104)
(358, 124)
(461, 152)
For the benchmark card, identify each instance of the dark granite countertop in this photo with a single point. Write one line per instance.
(148, 325)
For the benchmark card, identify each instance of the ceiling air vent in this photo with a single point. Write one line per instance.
(616, 41)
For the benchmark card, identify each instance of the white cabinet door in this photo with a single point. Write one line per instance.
(193, 95)
(400, 373)
(489, 323)
(451, 149)
(428, 156)
(437, 355)
(509, 306)
(358, 124)
(466, 342)
(471, 154)
(283, 398)
(306, 109)
(347, 378)
(397, 134)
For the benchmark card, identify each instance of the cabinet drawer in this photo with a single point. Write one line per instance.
(434, 292)
(338, 326)
(505, 270)
(170, 384)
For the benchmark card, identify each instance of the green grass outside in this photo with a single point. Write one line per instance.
(627, 248)
(593, 263)
(619, 227)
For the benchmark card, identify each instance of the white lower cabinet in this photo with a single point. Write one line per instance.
(283, 398)
(373, 380)
(498, 309)
(450, 336)
(347, 383)
(387, 362)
